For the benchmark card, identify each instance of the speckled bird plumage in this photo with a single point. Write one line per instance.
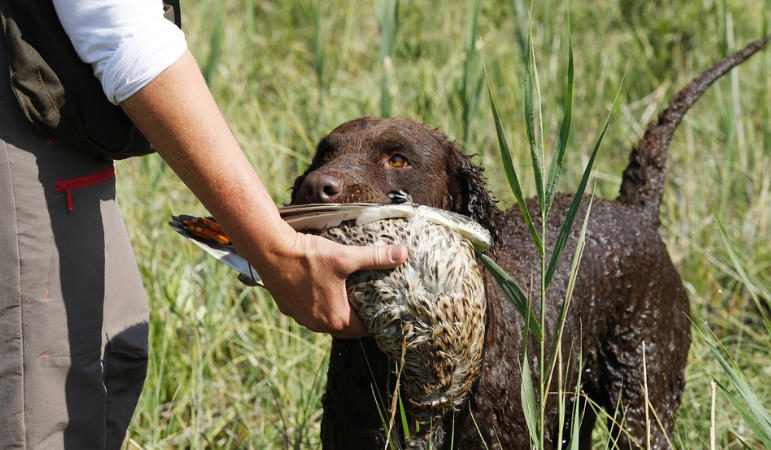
(431, 308)
(434, 302)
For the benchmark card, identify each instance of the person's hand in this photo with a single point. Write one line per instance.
(307, 280)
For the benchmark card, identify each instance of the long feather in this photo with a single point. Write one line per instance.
(206, 234)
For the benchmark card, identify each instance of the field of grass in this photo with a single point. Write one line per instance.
(228, 370)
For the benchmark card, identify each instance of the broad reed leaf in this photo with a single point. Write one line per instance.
(555, 167)
(514, 293)
(530, 74)
(567, 225)
(511, 174)
(571, 285)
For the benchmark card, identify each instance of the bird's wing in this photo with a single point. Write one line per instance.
(207, 234)
(468, 228)
(328, 215)
(316, 216)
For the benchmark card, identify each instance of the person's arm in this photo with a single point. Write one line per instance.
(305, 274)
(142, 62)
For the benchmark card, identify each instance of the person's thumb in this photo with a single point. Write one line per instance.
(376, 257)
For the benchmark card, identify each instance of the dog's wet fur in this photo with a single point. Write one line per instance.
(628, 301)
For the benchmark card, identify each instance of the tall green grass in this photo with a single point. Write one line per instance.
(535, 407)
(228, 370)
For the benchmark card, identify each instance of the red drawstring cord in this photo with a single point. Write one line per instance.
(67, 186)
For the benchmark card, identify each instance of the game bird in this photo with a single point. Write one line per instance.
(427, 315)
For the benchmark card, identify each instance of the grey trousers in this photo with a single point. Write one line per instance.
(73, 312)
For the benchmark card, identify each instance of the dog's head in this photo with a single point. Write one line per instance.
(366, 159)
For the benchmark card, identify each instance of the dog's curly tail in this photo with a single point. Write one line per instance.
(643, 182)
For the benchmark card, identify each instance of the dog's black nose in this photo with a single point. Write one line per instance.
(321, 187)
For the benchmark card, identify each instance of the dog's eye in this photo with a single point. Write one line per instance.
(397, 160)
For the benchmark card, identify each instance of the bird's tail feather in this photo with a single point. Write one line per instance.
(207, 234)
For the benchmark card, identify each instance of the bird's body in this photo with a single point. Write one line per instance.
(429, 312)
(433, 304)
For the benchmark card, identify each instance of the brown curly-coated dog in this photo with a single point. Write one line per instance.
(629, 300)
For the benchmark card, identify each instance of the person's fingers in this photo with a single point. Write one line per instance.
(374, 257)
(312, 290)
(355, 328)
(335, 315)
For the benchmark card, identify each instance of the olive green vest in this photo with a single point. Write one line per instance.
(57, 92)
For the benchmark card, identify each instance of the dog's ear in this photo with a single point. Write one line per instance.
(468, 190)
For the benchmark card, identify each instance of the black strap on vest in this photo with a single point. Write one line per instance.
(57, 92)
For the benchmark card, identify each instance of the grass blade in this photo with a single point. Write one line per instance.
(514, 293)
(555, 167)
(575, 423)
(215, 46)
(518, 14)
(567, 226)
(511, 174)
(403, 417)
(764, 75)
(469, 88)
(755, 415)
(527, 395)
(318, 47)
(479, 432)
(387, 17)
(383, 422)
(743, 276)
(745, 413)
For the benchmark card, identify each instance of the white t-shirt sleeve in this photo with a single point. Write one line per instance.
(128, 43)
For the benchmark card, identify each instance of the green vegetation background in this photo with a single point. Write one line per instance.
(228, 370)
